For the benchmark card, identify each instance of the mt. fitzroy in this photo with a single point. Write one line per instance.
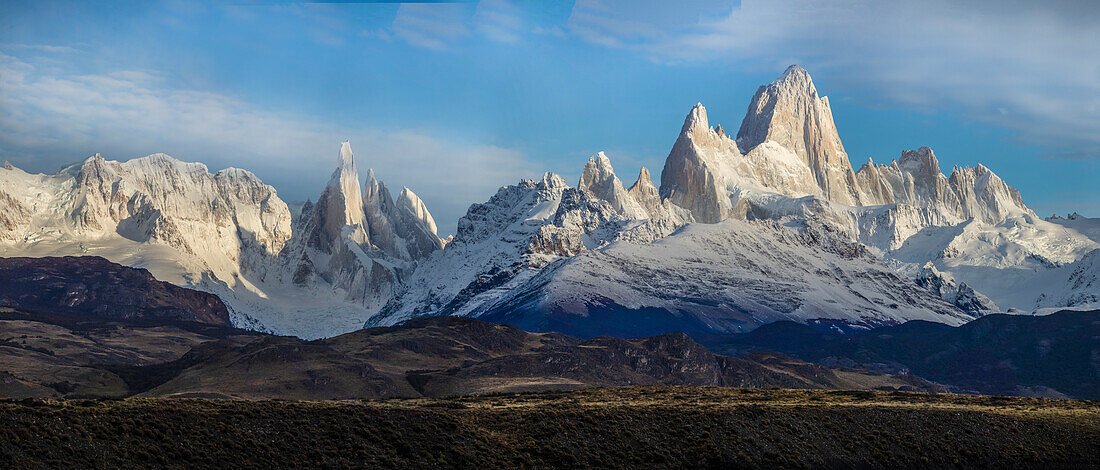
(772, 225)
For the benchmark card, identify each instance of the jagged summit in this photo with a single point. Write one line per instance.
(552, 180)
(347, 159)
(644, 180)
(789, 112)
(415, 208)
(920, 161)
(358, 240)
(688, 179)
(599, 180)
(788, 145)
(341, 203)
(402, 228)
(696, 119)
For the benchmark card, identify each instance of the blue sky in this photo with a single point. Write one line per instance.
(455, 100)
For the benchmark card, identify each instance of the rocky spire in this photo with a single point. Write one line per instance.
(689, 178)
(789, 112)
(340, 205)
(598, 180)
(415, 208)
(647, 195)
(402, 228)
(344, 187)
(643, 186)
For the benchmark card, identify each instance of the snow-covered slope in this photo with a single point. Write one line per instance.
(726, 277)
(1075, 284)
(503, 242)
(1087, 226)
(549, 257)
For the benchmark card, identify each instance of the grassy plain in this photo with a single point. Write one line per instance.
(633, 427)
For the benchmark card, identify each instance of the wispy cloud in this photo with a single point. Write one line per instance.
(1033, 68)
(49, 119)
(445, 26)
(432, 26)
(499, 20)
(39, 47)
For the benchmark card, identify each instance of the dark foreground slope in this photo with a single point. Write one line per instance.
(607, 428)
(93, 286)
(453, 356)
(62, 355)
(1051, 355)
(50, 355)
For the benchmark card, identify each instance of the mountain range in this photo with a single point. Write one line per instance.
(772, 224)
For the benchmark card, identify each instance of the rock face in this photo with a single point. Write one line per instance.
(915, 179)
(694, 176)
(92, 286)
(230, 215)
(791, 148)
(958, 294)
(162, 199)
(790, 113)
(339, 208)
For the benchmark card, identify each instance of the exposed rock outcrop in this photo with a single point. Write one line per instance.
(92, 286)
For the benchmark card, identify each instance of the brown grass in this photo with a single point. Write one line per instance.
(621, 427)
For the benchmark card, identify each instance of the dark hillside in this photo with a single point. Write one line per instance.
(1056, 354)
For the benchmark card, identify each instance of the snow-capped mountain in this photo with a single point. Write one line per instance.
(357, 239)
(502, 242)
(786, 172)
(229, 234)
(153, 210)
(772, 225)
(590, 261)
(789, 163)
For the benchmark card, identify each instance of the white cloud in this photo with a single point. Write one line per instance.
(48, 120)
(1033, 68)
